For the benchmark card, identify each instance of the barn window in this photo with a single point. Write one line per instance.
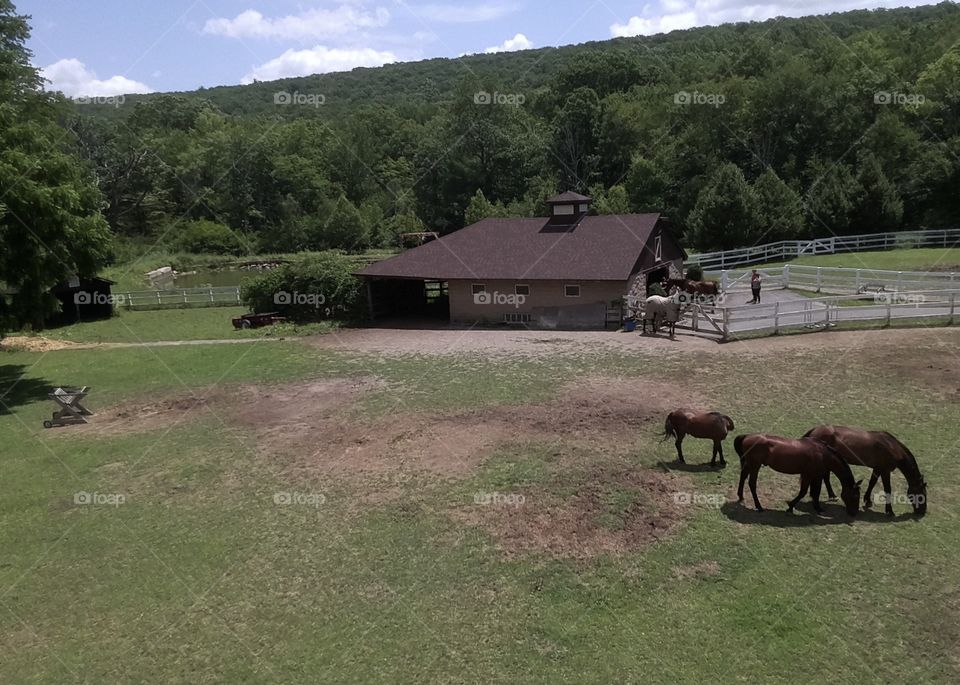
(658, 249)
(571, 290)
(478, 288)
(521, 289)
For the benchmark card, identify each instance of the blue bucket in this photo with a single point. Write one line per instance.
(629, 326)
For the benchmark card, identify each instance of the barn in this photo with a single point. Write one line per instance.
(568, 270)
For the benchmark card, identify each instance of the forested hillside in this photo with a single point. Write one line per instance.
(848, 123)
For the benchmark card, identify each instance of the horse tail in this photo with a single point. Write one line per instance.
(808, 433)
(729, 422)
(669, 431)
(738, 446)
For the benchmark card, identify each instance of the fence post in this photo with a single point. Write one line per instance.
(184, 296)
(159, 300)
(211, 294)
(724, 279)
(238, 295)
(776, 318)
(899, 280)
(953, 306)
(819, 278)
(696, 323)
(889, 309)
(726, 322)
(857, 283)
(129, 301)
(786, 275)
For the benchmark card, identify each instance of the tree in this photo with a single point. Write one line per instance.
(576, 137)
(342, 229)
(879, 208)
(50, 227)
(725, 215)
(481, 208)
(779, 208)
(831, 198)
(612, 201)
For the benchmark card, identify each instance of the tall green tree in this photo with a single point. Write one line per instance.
(51, 226)
(726, 214)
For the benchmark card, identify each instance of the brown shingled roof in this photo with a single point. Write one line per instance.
(567, 197)
(599, 248)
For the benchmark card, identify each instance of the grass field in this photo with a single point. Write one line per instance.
(384, 569)
(922, 259)
(203, 323)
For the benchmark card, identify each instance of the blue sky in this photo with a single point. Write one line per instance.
(109, 47)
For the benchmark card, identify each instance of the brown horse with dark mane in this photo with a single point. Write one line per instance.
(811, 459)
(881, 452)
(709, 425)
(694, 287)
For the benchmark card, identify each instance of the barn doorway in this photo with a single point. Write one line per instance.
(657, 276)
(408, 299)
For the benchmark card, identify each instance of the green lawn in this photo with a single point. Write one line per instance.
(923, 259)
(199, 577)
(202, 323)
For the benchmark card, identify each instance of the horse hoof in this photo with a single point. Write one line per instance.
(890, 513)
(760, 509)
(866, 503)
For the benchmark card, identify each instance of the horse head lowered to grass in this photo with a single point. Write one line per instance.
(811, 459)
(880, 451)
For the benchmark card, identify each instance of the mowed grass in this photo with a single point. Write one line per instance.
(203, 323)
(200, 577)
(920, 259)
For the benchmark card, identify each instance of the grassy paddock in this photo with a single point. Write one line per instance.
(199, 577)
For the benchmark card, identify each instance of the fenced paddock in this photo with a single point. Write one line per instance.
(791, 249)
(823, 312)
(224, 296)
(839, 280)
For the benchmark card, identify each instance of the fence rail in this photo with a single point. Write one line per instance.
(790, 249)
(822, 312)
(839, 280)
(225, 296)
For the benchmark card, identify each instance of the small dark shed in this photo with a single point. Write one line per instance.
(84, 299)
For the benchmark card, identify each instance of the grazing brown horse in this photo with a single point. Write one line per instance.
(811, 459)
(710, 425)
(881, 452)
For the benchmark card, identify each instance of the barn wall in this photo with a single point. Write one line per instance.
(546, 302)
(638, 287)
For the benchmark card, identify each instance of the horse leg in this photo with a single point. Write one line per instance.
(887, 492)
(804, 486)
(744, 472)
(720, 452)
(867, 502)
(679, 444)
(826, 481)
(753, 488)
(815, 494)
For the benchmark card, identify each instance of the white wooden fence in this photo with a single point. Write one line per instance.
(823, 312)
(841, 280)
(790, 249)
(224, 296)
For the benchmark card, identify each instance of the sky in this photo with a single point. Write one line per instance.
(112, 47)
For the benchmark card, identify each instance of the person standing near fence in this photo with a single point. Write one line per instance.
(755, 286)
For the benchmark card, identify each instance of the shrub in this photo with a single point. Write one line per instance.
(318, 287)
(207, 237)
(695, 272)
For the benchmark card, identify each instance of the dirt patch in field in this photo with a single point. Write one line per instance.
(261, 406)
(611, 512)
(31, 343)
(314, 427)
(604, 411)
(933, 369)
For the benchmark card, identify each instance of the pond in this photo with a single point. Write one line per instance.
(202, 278)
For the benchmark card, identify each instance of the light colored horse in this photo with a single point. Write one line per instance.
(667, 309)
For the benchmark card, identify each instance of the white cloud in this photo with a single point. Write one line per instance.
(308, 25)
(518, 42)
(74, 79)
(318, 60)
(672, 15)
(471, 14)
